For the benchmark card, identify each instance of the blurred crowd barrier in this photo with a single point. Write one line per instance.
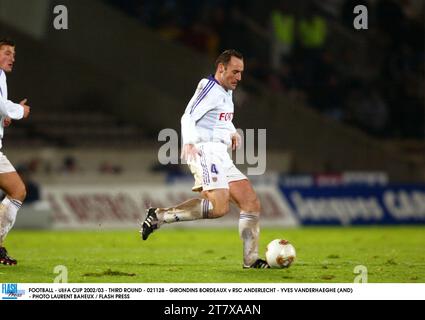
(287, 201)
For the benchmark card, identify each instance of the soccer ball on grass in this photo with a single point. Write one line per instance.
(280, 253)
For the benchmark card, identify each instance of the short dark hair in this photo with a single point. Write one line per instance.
(225, 57)
(7, 42)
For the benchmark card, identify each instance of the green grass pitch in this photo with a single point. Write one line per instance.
(391, 254)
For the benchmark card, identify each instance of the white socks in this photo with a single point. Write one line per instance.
(193, 209)
(249, 231)
(8, 210)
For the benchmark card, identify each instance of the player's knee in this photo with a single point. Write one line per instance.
(19, 193)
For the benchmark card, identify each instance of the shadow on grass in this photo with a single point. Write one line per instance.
(108, 273)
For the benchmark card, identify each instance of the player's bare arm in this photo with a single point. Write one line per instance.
(26, 107)
(236, 140)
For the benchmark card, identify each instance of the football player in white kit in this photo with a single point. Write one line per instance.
(208, 132)
(10, 182)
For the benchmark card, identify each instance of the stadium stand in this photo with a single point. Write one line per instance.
(137, 99)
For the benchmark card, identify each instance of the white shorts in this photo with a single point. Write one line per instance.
(214, 168)
(5, 165)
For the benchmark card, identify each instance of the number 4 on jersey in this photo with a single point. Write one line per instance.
(214, 169)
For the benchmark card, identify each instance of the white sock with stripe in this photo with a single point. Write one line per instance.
(8, 211)
(249, 231)
(190, 210)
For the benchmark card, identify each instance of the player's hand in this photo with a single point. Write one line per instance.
(189, 152)
(236, 140)
(7, 122)
(27, 108)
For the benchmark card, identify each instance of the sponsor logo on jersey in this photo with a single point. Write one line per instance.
(226, 116)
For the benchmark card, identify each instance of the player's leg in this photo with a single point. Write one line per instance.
(215, 204)
(15, 191)
(209, 177)
(243, 195)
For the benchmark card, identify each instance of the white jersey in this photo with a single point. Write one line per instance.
(7, 108)
(209, 114)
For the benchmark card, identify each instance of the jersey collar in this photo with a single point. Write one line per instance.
(211, 77)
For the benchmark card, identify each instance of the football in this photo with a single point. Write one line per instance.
(280, 253)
